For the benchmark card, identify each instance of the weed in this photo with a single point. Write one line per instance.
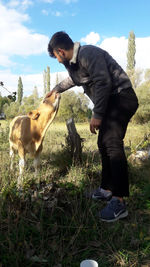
(54, 223)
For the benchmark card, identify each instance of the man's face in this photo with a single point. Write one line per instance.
(60, 55)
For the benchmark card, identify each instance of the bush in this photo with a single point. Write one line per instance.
(14, 108)
(143, 113)
(11, 110)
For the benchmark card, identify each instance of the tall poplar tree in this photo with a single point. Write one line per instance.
(35, 93)
(57, 79)
(46, 80)
(20, 91)
(131, 59)
(131, 52)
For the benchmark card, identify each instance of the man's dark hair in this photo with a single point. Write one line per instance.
(59, 40)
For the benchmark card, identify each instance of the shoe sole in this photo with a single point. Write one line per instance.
(121, 216)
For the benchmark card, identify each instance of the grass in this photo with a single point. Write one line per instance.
(54, 224)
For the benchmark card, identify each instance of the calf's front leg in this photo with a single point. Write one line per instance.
(36, 163)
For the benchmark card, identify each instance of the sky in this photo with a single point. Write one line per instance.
(26, 27)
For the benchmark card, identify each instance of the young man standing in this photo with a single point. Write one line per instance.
(115, 102)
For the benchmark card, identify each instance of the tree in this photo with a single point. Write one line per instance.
(147, 75)
(138, 77)
(20, 91)
(29, 103)
(57, 79)
(73, 105)
(35, 93)
(131, 58)
(131, 51)
(3, 100)
(142, 114)
(46, 80)
(11, 110)
(135, 77)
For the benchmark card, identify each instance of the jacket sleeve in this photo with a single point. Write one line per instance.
(66, 84)
(95, 64)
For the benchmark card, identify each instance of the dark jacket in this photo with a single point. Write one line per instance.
(98, 73)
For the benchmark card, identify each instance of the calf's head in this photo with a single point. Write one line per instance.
(47, 109)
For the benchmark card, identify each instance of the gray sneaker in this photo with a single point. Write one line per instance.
(114, 211)
(101, 194)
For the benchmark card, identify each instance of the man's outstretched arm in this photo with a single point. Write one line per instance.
(66, 84)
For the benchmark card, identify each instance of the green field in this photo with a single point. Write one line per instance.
(52, 222)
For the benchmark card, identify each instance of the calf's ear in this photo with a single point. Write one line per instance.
(34, 114)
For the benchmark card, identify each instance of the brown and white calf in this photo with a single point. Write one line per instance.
(27, 132)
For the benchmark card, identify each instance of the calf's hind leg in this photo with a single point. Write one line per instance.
(12, 155)
(21, 153)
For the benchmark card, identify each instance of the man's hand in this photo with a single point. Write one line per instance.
(95, 125)
(50, 93)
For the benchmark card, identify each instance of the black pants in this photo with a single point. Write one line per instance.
(120, 109)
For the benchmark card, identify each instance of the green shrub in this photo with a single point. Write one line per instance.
(143, 113)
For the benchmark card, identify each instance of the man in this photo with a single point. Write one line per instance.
(115, 102)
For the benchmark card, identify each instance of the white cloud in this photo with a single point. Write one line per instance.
(4, 61)
(45, 12)
(22, 5)
(142, 52)
(117, 47)
(26, 4)
(48, 1)
(13, 4)
(69, 1)
(29, 81)
(63, 1)
(16, 39)
(57, 13)
(91, 38)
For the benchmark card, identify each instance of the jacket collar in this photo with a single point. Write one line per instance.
(75, 53)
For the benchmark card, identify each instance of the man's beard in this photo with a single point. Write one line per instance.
(65, 62)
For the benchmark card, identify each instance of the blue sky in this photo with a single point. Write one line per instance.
(27, 25)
